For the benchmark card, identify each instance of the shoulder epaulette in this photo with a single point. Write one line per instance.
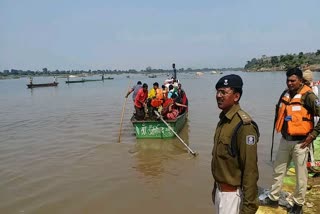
(246, 119)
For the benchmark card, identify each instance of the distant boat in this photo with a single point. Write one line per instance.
(199, 73)
(31, 85)
(75, 81)
(87, 80)
(83, 75)
(152, 76)
(216, 72)
(92, 80)
(110, 78)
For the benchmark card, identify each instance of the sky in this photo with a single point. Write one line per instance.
(136, 34)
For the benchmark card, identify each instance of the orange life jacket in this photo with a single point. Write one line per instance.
(159, 94)
(297, 117)
(155, 102)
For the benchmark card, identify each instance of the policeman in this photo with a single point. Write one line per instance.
(234, 155)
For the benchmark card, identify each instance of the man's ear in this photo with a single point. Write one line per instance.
(236, 97)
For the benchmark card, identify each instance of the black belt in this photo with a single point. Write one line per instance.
(294, 138)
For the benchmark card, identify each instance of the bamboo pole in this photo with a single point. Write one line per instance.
(122, 114)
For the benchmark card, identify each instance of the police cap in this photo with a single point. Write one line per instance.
(232, 81)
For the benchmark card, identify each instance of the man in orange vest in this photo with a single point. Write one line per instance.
(294, 119)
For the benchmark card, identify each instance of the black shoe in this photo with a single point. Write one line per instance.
(296, 209)
(268, 202)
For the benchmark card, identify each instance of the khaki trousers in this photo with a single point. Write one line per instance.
(290, 150)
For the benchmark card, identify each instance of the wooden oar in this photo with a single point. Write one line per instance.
(171, 129)
(124, 105)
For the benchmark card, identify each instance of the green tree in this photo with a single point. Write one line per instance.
(148, 68)
(300, 55)
(274, 60)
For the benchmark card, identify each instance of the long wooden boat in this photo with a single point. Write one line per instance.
(156, 129)
(75, 81)
(93, 80)
(42, 85)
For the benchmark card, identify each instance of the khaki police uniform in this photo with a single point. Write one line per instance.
(289, 148)
(235, 176)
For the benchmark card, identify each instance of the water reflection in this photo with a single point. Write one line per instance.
(152, 155)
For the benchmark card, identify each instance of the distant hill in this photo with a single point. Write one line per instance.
(282, 62)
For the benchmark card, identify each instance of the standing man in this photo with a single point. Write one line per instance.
(140, 102)
(234, 155)
(152, 95)
(135, 90)
(294, 119)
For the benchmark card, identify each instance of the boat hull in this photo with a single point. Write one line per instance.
(156, 129)
(75, 81)
(43, 85)
(92, 80)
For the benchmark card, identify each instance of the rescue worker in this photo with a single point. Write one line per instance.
(294, 119)
(135, 90)
(152, 94)
(164, 92)
(183, 99)
(234, 155)
(140, 102)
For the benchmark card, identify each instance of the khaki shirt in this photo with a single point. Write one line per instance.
(242, 170)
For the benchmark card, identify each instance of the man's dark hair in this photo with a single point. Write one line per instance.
(139, 83)
(145, 85)
(294, 71)
(238, 90)
(156, 84)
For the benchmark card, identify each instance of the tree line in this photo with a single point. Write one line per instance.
(148, 70)
(283, 62)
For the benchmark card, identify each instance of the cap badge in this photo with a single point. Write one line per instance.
(225, 82)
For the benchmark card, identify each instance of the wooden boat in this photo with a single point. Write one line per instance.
(42, 85)
(157, 129)
(161, 128)
(75, 81)
(93, 80)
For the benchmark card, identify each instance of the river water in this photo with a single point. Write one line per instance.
(60, 149)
